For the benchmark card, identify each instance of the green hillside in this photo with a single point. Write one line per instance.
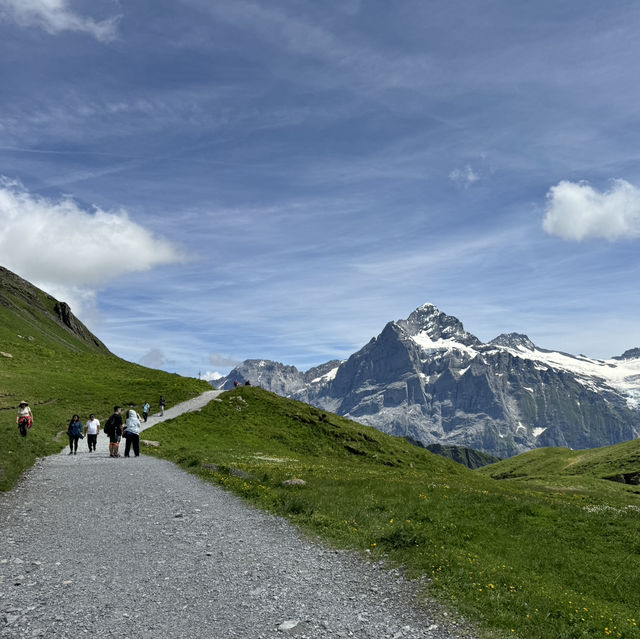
(48, 358)
(550, 550)
(521, 560)
(611, 470)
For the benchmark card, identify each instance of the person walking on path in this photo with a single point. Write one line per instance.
(162, 404)
(132, 433)
(75, 433)
(145, 411)
(92, 428)
(24, 418)
(113, 428)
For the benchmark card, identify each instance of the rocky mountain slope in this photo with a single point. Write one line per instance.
(428, 379)
(43, 313)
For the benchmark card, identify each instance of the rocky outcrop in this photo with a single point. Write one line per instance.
(65, 315)
(466, 456)
(632, 353)
(39, 309)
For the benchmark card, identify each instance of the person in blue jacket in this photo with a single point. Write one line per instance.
(75, 431)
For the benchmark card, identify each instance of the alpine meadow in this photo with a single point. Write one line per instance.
(541, 545)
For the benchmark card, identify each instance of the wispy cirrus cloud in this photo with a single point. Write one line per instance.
(359, 62)
(55, 16)
(577, 211)
(464, 177)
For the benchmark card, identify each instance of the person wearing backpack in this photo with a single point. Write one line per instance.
(113, 428)
(145, 411)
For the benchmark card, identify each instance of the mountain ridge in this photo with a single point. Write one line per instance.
(428, 379)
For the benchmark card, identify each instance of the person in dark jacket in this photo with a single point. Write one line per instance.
(75, 431)
(113, 428)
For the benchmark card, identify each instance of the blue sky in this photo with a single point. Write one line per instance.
(206, 182)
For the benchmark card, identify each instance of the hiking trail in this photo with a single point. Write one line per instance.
(138, 548)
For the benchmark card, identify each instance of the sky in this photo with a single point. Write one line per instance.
(207, 182)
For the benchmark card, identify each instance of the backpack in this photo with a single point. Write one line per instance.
(109, 426)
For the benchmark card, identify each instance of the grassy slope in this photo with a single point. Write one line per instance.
(573, 470)
(60, 374)
(525, 560)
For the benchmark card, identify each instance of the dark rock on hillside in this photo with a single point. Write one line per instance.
(466, 456)
(75, 325)
(38, 308)
(625, 478)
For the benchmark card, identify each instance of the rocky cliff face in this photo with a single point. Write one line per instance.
(72, 323)
(427, 379)
(39, 308)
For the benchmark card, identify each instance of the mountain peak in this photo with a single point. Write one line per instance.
(430, 321)
(514, 340)
(632, 353)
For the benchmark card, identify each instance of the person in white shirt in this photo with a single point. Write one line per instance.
(92, 428)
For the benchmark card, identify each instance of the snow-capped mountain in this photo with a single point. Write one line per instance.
(428, 379)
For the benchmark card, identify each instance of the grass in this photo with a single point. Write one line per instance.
(590, 472)
(550, 550)
(521, 559)
(60, 374)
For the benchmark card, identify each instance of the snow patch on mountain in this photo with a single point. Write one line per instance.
(424, 341)
(622, 375)
(327, 377)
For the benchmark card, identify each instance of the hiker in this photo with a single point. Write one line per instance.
(92, 428)
(74, 431)
(248, 383)
(25, 417)
(132, 433)
(113, 428)
(162, 404)
(236, 383)
(145, 411)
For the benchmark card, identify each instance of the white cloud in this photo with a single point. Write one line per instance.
(71, 252)
(464, 177)
(577, 211)
(55, 16)
(211, 376)
(154, 358)
(222, 360)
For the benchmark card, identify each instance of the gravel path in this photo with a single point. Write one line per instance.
(100, 547)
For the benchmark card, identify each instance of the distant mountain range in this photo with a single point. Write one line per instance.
(427, 379)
